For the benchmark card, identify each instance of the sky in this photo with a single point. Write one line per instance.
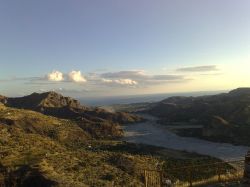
(96, 48)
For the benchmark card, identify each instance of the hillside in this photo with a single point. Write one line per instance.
(38, 150)
(97, 122)
(224, 117)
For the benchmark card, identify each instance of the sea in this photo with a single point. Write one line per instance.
(106, 101)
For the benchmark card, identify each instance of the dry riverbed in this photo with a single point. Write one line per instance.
(151, 133)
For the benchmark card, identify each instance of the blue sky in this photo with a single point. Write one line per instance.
(143, 44)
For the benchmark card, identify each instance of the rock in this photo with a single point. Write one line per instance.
(247, 168)
(3, 99)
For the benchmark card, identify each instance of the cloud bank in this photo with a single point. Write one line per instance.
(129, 82)
(135, 77)
(198, 69)
(97, 81)
(133, 74)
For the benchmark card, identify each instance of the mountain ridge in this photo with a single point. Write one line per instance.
(224, 117)
(55, 104)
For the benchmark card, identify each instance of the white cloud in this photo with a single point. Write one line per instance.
(167, 77)
(55, 76)
(126, 82)
(199, 68)
(73, 76)
(76, 76)
(134, 74)
(134, 77)
(121, 81)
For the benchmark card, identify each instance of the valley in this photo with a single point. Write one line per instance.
(152, 133)
(223, 118)
(55, 141)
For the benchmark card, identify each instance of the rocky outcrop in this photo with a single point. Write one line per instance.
(247, 168)
(3, 99)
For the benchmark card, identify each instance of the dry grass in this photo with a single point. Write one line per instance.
(63, 156)
(62, 153)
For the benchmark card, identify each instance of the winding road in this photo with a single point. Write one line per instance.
(151, 133)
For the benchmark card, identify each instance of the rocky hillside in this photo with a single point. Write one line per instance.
(32, 122)
(54, 104)
(228, 111)
(39, 150)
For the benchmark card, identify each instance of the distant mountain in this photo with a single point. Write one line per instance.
(228, 111)
(37, 101)
(54, 104)
(240, 92)
(233, 106)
